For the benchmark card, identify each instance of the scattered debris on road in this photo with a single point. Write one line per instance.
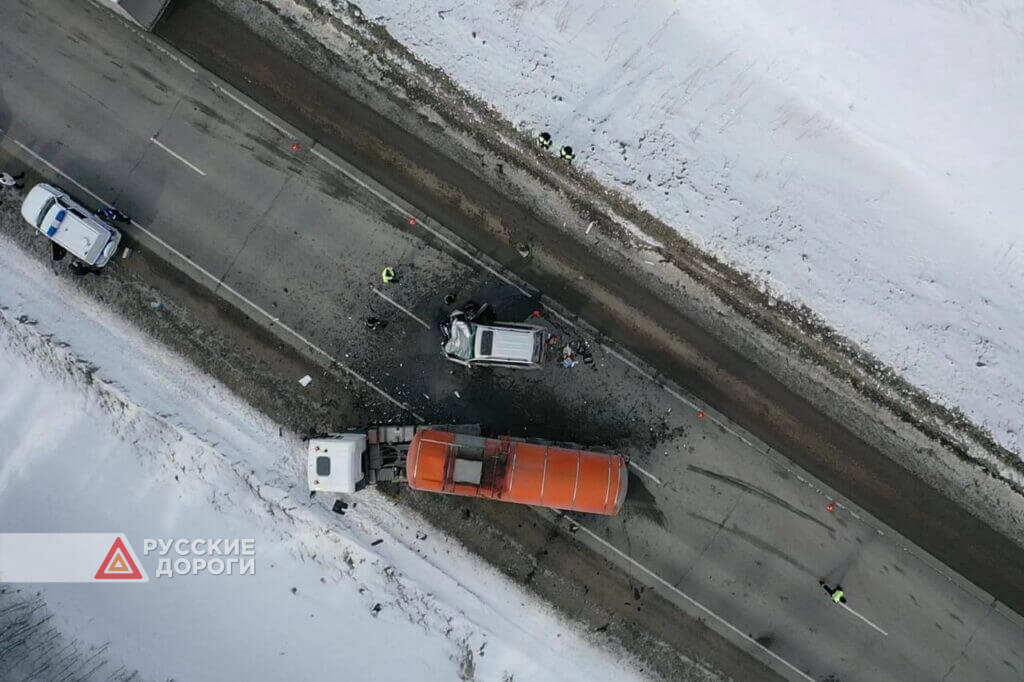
(573, 352)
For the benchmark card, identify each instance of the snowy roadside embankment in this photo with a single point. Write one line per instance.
(858, 159)
(105, 431)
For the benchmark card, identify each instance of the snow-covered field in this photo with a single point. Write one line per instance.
(863, 158)
(104, 431)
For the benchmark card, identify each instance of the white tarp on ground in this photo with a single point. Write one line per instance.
(863, 158)
(104, 430)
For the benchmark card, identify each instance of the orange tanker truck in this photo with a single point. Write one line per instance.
(456, 460)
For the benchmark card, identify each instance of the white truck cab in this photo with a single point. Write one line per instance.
(66, 222)
(349, 461)
(335, 462)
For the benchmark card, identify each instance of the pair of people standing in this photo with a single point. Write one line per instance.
(544, 140)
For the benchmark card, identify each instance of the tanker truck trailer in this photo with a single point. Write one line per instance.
(456, 460)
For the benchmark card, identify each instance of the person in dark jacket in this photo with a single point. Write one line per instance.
(111, 215)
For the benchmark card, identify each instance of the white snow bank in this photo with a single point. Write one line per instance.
(154, 449)
(863, 158)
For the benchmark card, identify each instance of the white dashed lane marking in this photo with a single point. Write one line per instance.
(176, 155)
(266, 119)
(865, 619)
(399, 306)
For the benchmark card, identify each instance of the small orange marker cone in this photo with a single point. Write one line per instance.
(831, 506)
(700, 414)
(412, 220)
(296, 146)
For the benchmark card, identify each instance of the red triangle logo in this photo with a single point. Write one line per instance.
(119, 564)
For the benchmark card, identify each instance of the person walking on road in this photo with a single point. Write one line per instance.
(836, 593)
(566, 153)
(388, 276)
(544, 140)
(8, 180)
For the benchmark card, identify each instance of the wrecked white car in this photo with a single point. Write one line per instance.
(496, 344)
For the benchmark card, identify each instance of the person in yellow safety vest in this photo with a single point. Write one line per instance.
(566, 153)
(387, 275)
(836, 593)
(544, 140)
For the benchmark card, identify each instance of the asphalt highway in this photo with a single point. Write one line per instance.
(258, 211)
(586, 281)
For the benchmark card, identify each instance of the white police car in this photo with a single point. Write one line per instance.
(70, 225)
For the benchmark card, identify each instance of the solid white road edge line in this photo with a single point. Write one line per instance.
(398, 305)
(254, 111)
(199, 268)
(139, 34)
(669, 586)
(179, 157)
